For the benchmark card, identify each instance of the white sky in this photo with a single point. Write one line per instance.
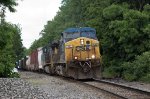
(32, 15)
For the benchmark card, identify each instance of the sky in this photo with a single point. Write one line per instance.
(32, 15)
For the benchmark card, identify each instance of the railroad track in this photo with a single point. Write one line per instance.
(118, 90)
(114, 90)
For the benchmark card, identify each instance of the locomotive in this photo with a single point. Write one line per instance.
(75, 55)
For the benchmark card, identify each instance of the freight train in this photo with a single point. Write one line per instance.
(76, 55)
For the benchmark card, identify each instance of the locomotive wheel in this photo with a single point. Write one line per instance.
(59, 70)
(46, 69)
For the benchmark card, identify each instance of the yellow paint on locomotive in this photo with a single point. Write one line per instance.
(72, 52)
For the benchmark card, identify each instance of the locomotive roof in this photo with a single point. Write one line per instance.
(83, 29)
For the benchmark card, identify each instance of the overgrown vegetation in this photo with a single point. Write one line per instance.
(11, 48)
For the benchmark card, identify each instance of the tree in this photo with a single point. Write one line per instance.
(4, 4)
(12, 48)
(133, 4)
(17, 42)
(10, 4)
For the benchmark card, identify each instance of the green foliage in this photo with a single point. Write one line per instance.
(146, 78)
(14, 75)
(2, 38)
(8, 4)
(139, 69)
(126, 36)
(147, 9)
(11, 50)
(111, 72)
(134, 4)
(112, 12)
(129, 77)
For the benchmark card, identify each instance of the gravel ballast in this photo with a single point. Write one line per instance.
(59, 88)
(42, 86)
(16, 88)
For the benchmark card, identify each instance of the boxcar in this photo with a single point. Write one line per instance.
(34, 60)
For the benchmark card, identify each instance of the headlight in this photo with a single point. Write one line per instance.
(75, 57)
(69, 46)
(93, 56)
(82, 41)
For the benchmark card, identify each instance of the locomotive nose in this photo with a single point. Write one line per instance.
(82, 49)
(85, 51)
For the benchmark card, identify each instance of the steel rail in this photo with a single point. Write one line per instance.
(105, 91)
(124, 86)
(91, 86)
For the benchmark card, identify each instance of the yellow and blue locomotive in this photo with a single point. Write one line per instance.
(75, 55)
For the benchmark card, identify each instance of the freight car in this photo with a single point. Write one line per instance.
(75, 55)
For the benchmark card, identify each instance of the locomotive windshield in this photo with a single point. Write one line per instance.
(89, 34)
(73, 33)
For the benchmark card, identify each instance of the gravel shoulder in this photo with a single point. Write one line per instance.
(16, 88)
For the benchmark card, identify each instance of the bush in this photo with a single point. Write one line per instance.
(111, 72)
(129, 76)
(139, 69)
(15, 75)
(146, 78)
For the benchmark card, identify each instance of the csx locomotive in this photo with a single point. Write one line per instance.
(75, 55)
